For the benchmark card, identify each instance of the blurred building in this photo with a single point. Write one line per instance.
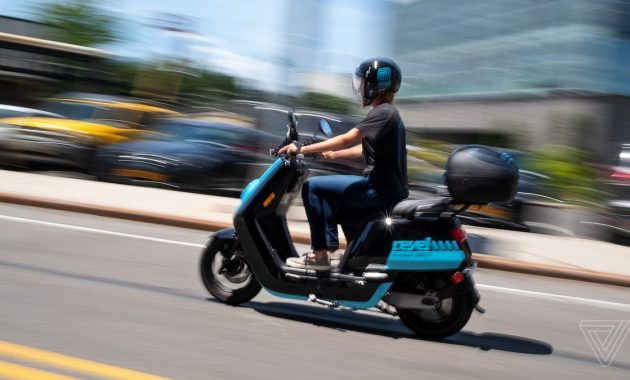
(327, 39)
(31, 63)
(553, 71)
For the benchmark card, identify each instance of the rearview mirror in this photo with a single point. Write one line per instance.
(292, 134)
(292, 118)
(324, 126)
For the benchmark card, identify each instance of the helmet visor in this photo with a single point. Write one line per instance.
(357, 84)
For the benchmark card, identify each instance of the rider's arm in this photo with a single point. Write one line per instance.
(353, 152)
(333, 143)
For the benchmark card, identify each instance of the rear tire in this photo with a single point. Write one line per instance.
(226, 274)
(448, 319)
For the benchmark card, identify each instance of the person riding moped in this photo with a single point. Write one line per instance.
(383, 147)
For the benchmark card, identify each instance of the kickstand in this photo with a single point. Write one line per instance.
(480, 309)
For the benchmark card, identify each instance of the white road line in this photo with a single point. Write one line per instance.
(99, 231)
(528, 293)
(558, 297)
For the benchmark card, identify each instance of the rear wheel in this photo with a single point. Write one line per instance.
(448, 318)
(226, 274)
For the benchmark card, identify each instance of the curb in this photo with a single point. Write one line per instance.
(138, 216)
(484, 261)
(578, 274)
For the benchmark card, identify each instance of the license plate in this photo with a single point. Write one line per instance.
(140, 174)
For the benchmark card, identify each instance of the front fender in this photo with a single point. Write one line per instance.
(226, 233)
(225, 239)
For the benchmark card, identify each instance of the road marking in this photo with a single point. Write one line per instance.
(571, 299)
(99, 231)
(66, 362)
(14, 371)
(500, 289)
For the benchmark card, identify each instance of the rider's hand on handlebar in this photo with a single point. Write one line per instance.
(291, 149)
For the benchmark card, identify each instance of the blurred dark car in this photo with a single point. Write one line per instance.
(208, 155)
(618, 187)
(272, 118)
(188, 154)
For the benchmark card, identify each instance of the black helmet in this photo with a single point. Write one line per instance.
(374, 77)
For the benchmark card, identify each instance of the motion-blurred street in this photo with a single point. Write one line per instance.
(127, 294)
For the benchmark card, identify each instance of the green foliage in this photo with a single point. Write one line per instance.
(79, 22)
(125, 73)
(326, 102)
(435, 158)
(569, 176)
(437, 145)
(426, 160)
(210, 86)
(175, 82)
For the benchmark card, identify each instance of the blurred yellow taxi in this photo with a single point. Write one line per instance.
(83, 123)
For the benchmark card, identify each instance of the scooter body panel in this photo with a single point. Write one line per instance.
(263, 233)
(406, 245)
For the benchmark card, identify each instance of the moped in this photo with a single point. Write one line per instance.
(410, 260)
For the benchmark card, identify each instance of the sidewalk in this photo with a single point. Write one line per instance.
(199, 211)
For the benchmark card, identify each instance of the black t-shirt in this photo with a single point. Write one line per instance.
(385, 152)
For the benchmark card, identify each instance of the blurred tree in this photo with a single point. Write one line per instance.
(125, 73)
(79, 22)
(210, 86)
(326, 102)
(172, 81)
(570, 178)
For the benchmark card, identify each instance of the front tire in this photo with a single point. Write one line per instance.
(226, 274)
(448, 319)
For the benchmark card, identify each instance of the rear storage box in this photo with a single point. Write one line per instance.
(478, 174)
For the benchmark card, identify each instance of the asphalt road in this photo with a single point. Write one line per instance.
(128, 295)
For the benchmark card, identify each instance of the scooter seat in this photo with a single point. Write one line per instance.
(357, 217)
(408, 208)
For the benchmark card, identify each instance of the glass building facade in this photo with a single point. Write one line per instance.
(453, 47)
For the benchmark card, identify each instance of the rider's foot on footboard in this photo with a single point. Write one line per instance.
(310, 261)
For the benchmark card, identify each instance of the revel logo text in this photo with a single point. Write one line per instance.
(425, 245)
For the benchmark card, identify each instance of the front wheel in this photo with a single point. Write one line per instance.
(225, 273)
(447, 319)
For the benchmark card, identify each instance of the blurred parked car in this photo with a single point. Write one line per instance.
(272, 118)
(74, 125)
(203, 153)
(189, 154)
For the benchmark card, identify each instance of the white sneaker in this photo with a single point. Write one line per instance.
(335, 257)
(309, 262)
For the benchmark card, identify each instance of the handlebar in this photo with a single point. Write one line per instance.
(292, 136)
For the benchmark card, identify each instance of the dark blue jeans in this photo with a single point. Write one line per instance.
(324, 194)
